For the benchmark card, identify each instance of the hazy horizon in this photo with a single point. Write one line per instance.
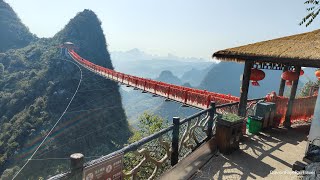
(183, 28)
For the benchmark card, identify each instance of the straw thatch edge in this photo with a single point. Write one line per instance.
(241, 58)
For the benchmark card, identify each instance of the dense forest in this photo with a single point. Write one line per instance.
(36, 85)
(13, 33)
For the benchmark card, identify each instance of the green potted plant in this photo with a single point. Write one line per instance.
(229, 119)
(228, 132)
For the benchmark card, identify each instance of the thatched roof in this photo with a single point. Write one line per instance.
(301, 49)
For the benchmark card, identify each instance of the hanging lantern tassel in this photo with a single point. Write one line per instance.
(256, 75)
(289, 83)
(255, 83)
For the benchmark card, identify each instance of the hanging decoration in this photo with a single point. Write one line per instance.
(290, 76)
(256, 75)
(317, 73)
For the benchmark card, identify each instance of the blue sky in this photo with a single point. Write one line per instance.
(189, 28)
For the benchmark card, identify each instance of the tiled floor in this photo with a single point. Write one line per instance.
(275, 150)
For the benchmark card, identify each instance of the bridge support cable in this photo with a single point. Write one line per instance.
(56, 123)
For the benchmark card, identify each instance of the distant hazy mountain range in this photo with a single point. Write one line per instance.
(171, 69)
(139, 63)
(135, 102)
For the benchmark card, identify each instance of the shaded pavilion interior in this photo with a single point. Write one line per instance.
(286, 53)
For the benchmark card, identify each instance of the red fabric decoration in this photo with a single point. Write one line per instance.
(303, 108)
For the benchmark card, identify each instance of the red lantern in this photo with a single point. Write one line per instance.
(256, 75)
(301, 72)
(317, 73)
(289, 76)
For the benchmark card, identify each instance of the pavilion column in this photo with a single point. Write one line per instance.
(244, 88)
(282, 83)
(315, 124)
(287, 122)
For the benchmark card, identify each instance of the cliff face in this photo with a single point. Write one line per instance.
(13, 34)
(37, 84)
(86, 33)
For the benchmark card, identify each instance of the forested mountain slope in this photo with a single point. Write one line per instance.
(37, 84)
(13, 33)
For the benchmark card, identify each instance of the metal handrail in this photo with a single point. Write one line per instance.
(136, 145)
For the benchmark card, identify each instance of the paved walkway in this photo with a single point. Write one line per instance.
(275, 150)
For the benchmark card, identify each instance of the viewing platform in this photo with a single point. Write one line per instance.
(267, 155)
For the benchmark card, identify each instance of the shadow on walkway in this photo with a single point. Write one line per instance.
(272, 150)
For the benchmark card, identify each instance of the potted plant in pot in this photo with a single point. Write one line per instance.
(228, 132)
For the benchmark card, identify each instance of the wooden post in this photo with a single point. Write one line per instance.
(314, 132)
(175, 141)
(287, 122)
(244, 88)
(282, 83)
(212, 111)
(76, 166)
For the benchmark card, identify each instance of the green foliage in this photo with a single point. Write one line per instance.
(313, 10)
(9, 173)
(13, 33)
(307, 87)
(36, 86)
(1, 69)
(91, 34)
(149, 124)
(230, 117)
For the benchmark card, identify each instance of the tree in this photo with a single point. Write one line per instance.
(148, 124)
(306, 88)
(313, 10)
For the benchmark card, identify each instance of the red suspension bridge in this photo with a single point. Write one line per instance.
(188, 96)
(303, 108)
